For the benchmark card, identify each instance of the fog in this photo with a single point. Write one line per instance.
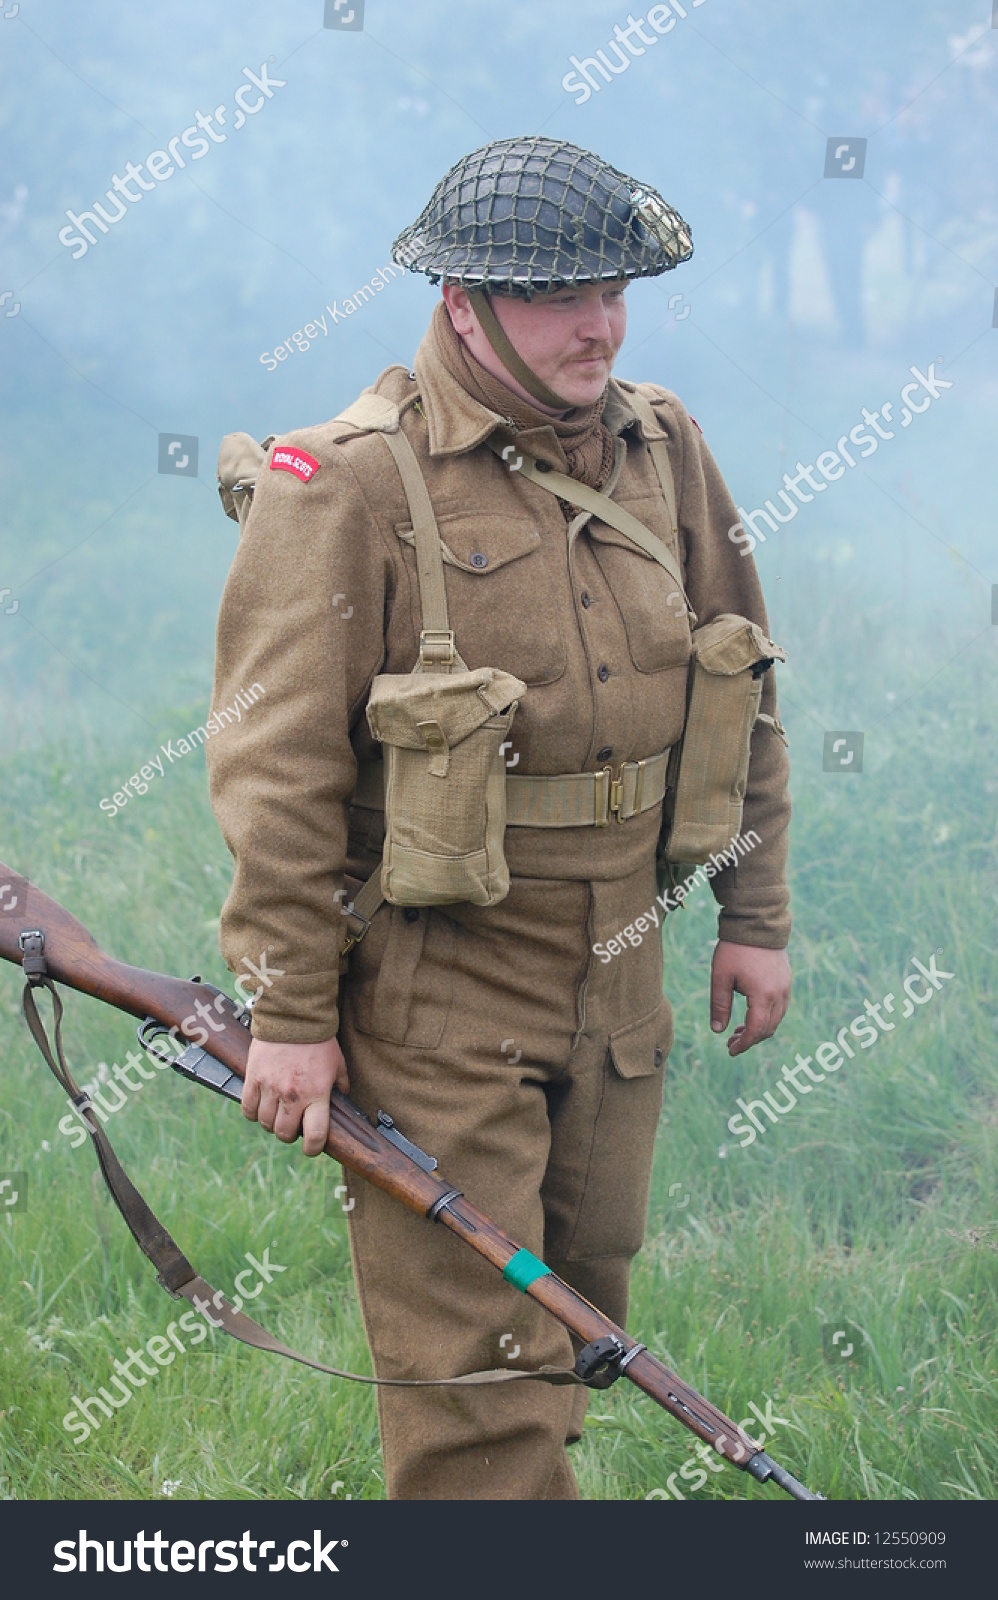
(807, 299)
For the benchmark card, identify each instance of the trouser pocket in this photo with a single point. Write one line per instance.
(400, 982)
(614, 1200)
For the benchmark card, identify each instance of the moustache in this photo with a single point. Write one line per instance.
(598, 353)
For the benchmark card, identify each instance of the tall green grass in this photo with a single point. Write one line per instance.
(870, 1208)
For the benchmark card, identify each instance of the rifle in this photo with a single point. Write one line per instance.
(52, 946)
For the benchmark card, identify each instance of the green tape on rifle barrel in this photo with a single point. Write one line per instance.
(523, 1269)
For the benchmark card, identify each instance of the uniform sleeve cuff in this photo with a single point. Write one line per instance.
(768, 931)
(299, 1008)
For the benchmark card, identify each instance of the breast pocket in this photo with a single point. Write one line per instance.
(503, 596)
(651, 606)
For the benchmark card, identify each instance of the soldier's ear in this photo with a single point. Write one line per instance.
(458, 308)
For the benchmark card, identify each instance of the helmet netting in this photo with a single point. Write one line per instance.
(529, 214)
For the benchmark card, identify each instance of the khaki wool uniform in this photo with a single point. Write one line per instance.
(494, 1036)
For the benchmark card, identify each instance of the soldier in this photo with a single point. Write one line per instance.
(491, 1030)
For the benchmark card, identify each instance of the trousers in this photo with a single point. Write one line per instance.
(533, 1070)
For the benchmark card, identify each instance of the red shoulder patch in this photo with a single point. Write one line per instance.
(696, 424)
(287, 459)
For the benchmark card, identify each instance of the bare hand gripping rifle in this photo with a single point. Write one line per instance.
(52, 946)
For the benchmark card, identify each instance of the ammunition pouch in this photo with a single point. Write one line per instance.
(708, 768)
(445, 783)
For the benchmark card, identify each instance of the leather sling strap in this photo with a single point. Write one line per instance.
(599, 505)
(173, 1269)
(510, 358)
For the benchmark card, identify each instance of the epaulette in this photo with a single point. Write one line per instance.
(369, 413)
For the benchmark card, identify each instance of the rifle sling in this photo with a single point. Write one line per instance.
(174, 1271)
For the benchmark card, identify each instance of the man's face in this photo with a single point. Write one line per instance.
(569, 338)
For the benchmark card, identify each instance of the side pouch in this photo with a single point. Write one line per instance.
(445, 783)
(239, 461)
(709, 767)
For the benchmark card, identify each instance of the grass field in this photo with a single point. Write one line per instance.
(869, 1210)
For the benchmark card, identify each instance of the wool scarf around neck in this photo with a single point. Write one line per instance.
(586, 441)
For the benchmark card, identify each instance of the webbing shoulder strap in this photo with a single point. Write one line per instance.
(437, 649)
(373, 413)
(429, 561)
(660, 458)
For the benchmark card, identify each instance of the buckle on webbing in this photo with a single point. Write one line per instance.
(439, 641)
(353, 938)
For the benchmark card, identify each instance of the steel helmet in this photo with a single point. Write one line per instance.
(534, 214)
(531, 215)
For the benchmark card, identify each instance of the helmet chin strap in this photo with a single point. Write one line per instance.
(513, 363)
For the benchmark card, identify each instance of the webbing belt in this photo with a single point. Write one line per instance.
(564, 800)
(173, 1269)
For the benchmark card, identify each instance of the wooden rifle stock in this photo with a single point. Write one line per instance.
(208, 1018)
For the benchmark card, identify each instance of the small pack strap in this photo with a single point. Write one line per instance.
(369, 898)
(599, 505)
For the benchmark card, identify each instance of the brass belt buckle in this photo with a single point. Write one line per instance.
(611, 791)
